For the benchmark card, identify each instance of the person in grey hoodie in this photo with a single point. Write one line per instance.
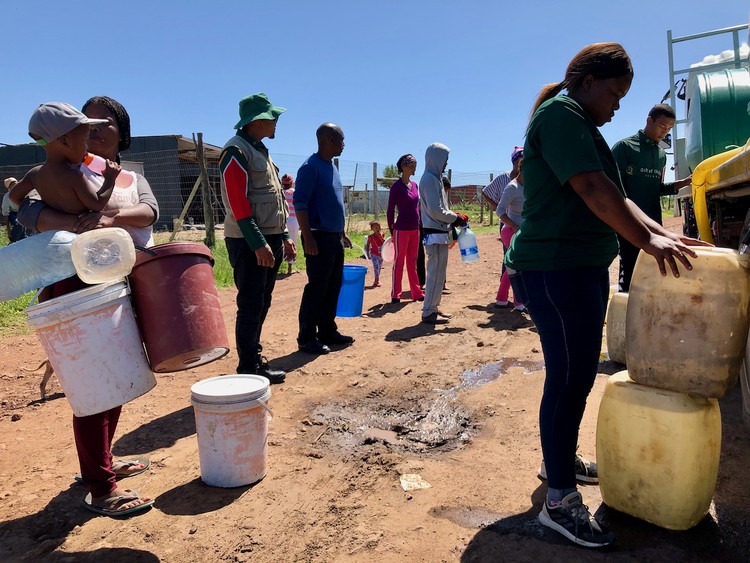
(437, 220)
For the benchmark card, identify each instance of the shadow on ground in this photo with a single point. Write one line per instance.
(36, 536)
(159, 433)
(383, 309)
(195, 497)
(104, 554)
(503, 318)
(723, 535)
(420, 330)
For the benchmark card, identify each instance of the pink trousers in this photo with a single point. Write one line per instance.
(406, 244)
(507, 235)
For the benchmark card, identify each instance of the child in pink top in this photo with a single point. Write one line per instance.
(287, 182)
(373, 248)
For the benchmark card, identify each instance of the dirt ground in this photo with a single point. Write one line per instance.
(456, 404)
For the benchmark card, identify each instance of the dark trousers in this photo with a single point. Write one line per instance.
(254, 288)
(421, 271)
(628, 256)
(568, 308)
(93, 435)
(317, 311)
(16, 230)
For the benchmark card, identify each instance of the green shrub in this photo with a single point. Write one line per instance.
(12, 317)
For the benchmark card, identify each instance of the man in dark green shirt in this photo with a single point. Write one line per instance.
(641, 162)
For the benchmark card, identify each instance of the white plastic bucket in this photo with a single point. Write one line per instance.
(388, 251)
(231, 420)
(92, 340)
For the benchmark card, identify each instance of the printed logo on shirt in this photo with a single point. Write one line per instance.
(629, 170)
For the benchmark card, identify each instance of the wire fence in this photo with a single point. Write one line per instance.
(173, 176)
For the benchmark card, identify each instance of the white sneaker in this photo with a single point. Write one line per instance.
(585, 471)
(519, 308)
(501, 303)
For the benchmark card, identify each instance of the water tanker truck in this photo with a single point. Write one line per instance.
(712, 142)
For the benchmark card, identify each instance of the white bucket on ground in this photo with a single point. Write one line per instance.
(231, 420)
(92, 340)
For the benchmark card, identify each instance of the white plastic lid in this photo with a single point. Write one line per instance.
(71, 305)
(230, 389)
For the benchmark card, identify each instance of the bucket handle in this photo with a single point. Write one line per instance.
(265, 406)
(146, 250)
(36, 296)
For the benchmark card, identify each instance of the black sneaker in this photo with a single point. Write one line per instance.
(434, 319)
(336, 339)
(573, 520)
(314, 347)
(586, 471)
(273, 375)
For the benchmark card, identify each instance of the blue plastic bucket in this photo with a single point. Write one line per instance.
(352, 291)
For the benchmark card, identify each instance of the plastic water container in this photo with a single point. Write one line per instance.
(389, 250)
(97, 164)
(657, 452)
(103, 255)
(231, 420)
(616, 314)
(35, 262)
(352, 293)
(689, 333)
(177, 306)
(91, 339)
(745, 385)
(467, 244)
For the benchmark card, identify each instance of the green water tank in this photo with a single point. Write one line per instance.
(718, 114)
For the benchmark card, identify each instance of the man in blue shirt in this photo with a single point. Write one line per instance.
(319, 204)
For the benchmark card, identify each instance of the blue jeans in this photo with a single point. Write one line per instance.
(567, 307)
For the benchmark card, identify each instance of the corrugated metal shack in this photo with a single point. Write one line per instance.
(167, 161)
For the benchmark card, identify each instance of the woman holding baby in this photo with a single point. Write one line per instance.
(134, 209)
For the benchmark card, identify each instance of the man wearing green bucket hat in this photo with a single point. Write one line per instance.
(254, 227)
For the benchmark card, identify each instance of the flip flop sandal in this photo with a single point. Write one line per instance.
(108, 507)
(120, 464)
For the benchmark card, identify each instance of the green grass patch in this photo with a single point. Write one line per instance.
(13, 320)
(223, 273)
(12, 317)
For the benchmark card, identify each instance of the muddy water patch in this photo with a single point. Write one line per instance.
(415, 422)
(525, 524)
(467, 516)
(473, 378)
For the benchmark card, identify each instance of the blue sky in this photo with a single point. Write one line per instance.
(395, 75)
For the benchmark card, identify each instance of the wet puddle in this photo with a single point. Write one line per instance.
(419, 421)
(468, 517)
(379, 435)
(474, 378)
(413, 423)
(473, 517)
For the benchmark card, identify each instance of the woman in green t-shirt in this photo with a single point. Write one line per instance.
(559, 261)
